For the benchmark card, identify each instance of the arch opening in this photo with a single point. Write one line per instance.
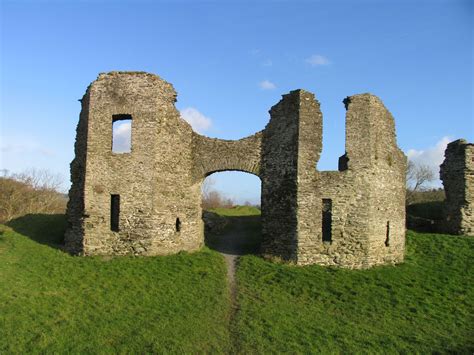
(231, 212)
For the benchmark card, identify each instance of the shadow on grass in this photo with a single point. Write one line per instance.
(233, 235)
(45, 229)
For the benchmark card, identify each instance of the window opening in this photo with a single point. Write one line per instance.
(327, 220)
(387, 235)
(121, 133)
(114, 212)
(178, 225)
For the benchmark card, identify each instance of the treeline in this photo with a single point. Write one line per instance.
(38, 191)
(33, 191)
(212, 198)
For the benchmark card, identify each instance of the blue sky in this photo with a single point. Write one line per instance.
(230, 62)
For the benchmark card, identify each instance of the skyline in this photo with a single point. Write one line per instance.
(229, 63)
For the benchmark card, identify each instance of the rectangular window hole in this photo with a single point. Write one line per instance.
(327, 220)
(114, 212)
(121, 133)
(387, 235)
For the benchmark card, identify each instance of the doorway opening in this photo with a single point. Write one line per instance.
(231, 212)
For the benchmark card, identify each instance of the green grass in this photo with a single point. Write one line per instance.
(422, 306)
(51, 302)
(55, 303)
(237, 211)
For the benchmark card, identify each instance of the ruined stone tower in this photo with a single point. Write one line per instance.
(147, 201)
(457, 174)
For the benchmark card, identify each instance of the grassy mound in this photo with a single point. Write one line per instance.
(55, 303)
(424, 305)
(237, 211)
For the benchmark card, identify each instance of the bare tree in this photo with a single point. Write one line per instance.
(418, 175)
(207, 188)
(40, 179)
(211, 198)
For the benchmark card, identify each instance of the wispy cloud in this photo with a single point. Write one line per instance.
(25, 147)
(267, 63)
(266, 85)
(432, 156)
(317, 60)
(196, 119)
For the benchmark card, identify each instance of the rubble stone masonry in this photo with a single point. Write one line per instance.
(457, 174)
(147, 201)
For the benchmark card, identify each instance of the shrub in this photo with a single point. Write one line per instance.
(35, 191)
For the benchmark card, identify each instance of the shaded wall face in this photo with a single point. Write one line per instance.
(457, 174)
(153, 181)
(74, 238)
(279, 164)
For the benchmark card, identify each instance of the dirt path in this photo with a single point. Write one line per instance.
(232, 244)
(241, 236)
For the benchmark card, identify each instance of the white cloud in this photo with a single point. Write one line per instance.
(432, 156)
(196, 119)
(317, 59)
(121, 141)
(266, 85)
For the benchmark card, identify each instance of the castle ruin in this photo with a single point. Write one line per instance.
(457, 174)
(148, 201)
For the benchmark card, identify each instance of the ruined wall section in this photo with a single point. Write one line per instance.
(348, 245)
(364, 196)
(279, 172)
(380, 168)
(75, 207)
(309, 202)
(153, 180)
(212, 155)
(457, 174)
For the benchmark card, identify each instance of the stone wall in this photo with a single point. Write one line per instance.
(457, 174)
(154, 181)
(352, 218)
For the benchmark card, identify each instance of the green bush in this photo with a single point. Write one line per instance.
(429, 210)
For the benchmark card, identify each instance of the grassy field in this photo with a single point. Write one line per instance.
(422, 306)
(52, 302)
